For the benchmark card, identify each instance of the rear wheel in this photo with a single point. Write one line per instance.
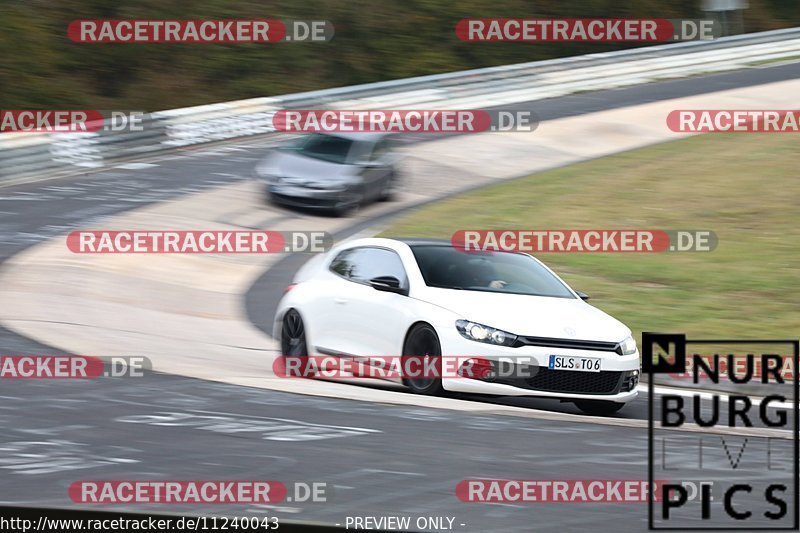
(598, 407)
(422, 341)
(293, 335)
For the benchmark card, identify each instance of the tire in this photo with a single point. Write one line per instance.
(342, 211)
(598, 407)
(351, 208)
(269, 199)
(293, 335)
(423, 340)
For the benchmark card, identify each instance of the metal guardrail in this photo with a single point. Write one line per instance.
(32, 155)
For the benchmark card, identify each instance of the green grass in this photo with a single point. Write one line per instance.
(744, 187)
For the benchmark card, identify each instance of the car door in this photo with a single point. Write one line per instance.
(376, 320)
(381, 157)
(330, 306)
(373, 168)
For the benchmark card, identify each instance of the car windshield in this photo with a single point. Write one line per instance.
(504, 272)
(325, 147)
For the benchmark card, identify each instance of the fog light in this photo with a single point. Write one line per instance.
(482, 369)
(631, 381)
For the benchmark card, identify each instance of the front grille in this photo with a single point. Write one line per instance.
(572, 382)
(303, 201)
(550, 342)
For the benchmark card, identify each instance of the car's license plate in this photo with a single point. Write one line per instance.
(580, 364)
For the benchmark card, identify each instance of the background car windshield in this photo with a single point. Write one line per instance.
(325, 147)
(450, 268)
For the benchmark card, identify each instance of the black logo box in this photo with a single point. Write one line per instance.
(678, 366)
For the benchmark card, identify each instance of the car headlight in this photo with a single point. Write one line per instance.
(267, 177)
(480, 333)
(628, 346)
(266, 171)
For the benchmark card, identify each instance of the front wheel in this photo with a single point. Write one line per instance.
(598, 407)
(349, 208)
(422, 341)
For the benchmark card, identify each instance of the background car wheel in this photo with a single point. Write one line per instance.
(293, 335)
(422, 340)
(598, 407)
(344, 210)
(350, 208)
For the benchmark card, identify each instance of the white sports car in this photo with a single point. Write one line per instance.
(418, 296)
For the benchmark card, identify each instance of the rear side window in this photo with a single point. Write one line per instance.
(342, 264)
(380, 151)
(363, 264)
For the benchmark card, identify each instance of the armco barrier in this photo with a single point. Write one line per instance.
(26, 156)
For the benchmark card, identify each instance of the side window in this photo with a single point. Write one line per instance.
(380, 151)
(362, 151)
(363, 264)
(342, 263)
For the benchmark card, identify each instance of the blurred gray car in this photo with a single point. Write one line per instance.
(335, 172)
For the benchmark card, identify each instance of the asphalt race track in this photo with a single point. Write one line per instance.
(376, 459)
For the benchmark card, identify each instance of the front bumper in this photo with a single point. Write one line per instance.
(524, 371)
(312, 198)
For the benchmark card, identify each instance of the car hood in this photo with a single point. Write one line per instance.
(535, 316)
(292, 166)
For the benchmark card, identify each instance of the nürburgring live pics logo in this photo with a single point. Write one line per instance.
(746, 460)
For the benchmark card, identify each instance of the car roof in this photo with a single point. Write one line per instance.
(394, 242)
(422, 241)
(397, 243)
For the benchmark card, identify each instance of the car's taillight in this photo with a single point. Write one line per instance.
(289, 287)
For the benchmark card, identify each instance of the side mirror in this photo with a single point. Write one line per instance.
(582, 295)
(387, 284)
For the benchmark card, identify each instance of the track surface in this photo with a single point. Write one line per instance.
(394, 460)
(374, 459)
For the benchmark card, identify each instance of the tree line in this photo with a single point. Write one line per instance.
(375, 40)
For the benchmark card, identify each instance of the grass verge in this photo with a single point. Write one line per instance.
(744, 187)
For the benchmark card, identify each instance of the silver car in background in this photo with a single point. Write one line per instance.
(336, 172)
